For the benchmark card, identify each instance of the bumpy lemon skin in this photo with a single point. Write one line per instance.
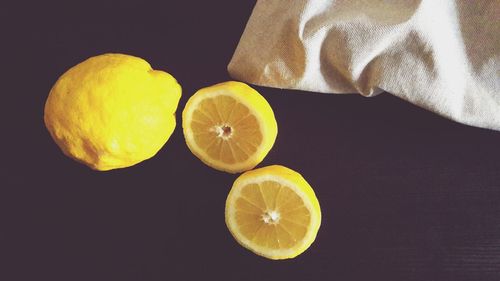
(256, 103)
(288, 175)
(112, 111)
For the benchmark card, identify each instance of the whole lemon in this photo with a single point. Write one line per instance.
(112, 111)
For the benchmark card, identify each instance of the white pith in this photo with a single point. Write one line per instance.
(271, 217)
(221, 133)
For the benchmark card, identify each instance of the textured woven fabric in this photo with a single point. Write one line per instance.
(442, 55)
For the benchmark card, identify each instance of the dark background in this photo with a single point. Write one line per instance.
(405, 194)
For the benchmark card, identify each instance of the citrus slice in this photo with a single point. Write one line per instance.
(229, 126)
(273, 212)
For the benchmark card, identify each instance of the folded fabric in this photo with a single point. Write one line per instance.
(443, 55)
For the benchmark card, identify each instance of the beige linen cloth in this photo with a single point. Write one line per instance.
(442, 55)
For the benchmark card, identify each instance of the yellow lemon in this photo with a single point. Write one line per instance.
(112, 111)
(273, 212)
(229, 126)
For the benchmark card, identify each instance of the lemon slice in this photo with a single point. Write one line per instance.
(273, 212)
(229, 126)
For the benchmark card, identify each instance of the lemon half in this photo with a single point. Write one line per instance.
(229, 126)
(273, 212)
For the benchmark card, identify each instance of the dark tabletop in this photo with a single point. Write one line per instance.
(405, 194)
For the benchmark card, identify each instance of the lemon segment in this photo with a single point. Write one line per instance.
(229, 126)
(112, 111)
(273, 212)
